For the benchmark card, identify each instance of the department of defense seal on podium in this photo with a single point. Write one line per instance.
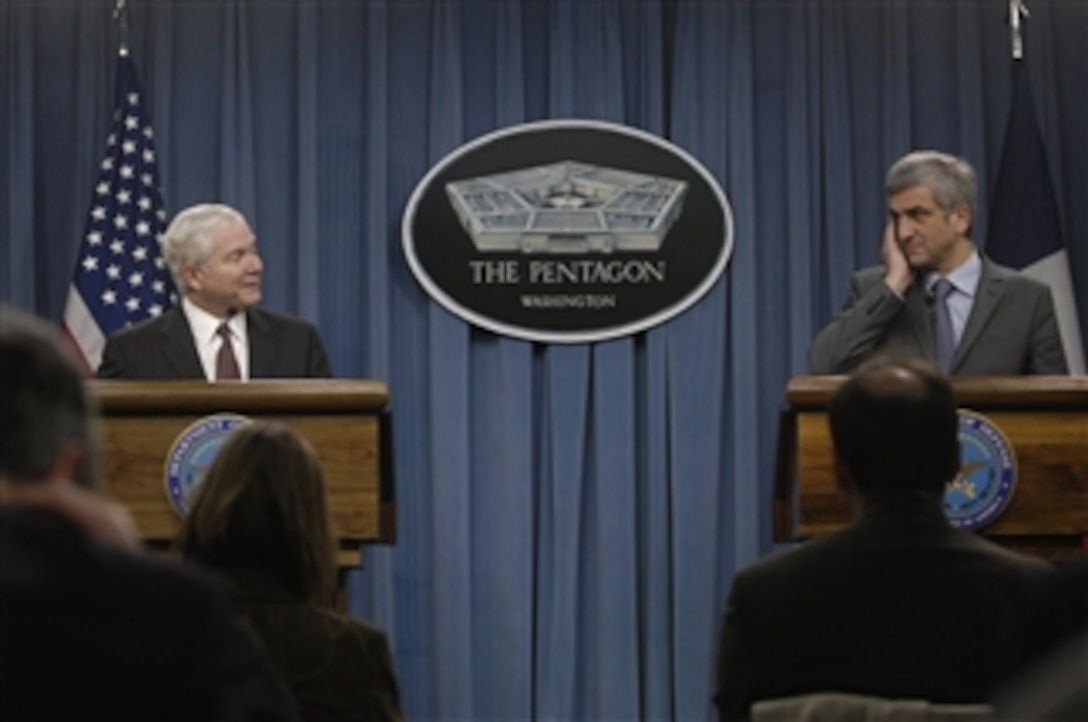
(192, 453)
(987, 478)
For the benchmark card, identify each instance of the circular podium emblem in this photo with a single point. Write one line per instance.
(987, 478)
(192, 453)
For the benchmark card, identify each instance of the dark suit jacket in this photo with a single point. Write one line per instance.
(162, 348)
(898, 605)
(340, 669)
(90, 633)
(1012, 328)
(1051, 616)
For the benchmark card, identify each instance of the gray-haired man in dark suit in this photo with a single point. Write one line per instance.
(213, 258)
(1000, 321)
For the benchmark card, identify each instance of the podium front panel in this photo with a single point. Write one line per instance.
(341, 420)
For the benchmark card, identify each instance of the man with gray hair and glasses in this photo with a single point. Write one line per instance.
(936, 297)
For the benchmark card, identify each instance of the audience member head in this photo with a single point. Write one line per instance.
(894, 426)
(213, 258)
(950, 179)
(262, 506)
(47, 427)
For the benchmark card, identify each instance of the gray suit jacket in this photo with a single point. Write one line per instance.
(898, 605)
(1012, 329)
(162, 349)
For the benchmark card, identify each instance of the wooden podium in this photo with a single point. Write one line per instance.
(345, 421)
(1044, 418)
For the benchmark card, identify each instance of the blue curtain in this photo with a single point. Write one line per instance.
(569, 515)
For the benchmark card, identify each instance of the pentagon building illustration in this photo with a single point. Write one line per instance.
(567, 207)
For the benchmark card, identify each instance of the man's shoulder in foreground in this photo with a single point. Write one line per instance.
(870, 543)
(890, 619)
(97, 618)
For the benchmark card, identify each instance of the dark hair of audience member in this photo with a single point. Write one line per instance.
(894, 425)
(44, 404)
(262, 505)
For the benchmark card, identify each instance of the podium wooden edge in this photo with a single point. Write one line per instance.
(265, 396)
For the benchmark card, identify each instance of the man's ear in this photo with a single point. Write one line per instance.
(191, 274)
(961, 218)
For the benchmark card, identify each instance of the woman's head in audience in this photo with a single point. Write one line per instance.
(262, 506)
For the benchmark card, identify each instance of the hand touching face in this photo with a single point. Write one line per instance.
(898, 273)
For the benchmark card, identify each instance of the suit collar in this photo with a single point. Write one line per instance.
(991, 288)
(988, 295)
(262, 347)
(178, 349)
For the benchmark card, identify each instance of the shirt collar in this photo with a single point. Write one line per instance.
(964, 278)
(205, 326)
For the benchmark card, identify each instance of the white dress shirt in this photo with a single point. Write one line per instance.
(205, 328)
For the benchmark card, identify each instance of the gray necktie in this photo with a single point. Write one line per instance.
(946, 337)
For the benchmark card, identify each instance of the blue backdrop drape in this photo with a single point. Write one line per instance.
(569, 516)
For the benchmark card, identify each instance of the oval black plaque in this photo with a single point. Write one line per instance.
(567, 231)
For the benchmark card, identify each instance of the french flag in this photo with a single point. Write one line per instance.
(1025, 230)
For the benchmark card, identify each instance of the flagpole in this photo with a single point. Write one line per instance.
(120, 14)
(120, 276)
(1018, 12)
(1025, 230)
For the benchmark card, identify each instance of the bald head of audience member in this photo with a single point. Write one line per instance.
(894, 427)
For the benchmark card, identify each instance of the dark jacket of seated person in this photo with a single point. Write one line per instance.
(339, 668)
(91, 628)
(899, 604)
(90, 633)
(260, 517)
(1045, 660)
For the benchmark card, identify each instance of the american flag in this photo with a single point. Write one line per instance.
(120, 276)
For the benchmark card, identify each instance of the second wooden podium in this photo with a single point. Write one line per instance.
(1045, 419)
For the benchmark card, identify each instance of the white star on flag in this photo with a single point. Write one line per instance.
(135, 271)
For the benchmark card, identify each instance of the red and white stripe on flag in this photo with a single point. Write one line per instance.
(120, 277)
